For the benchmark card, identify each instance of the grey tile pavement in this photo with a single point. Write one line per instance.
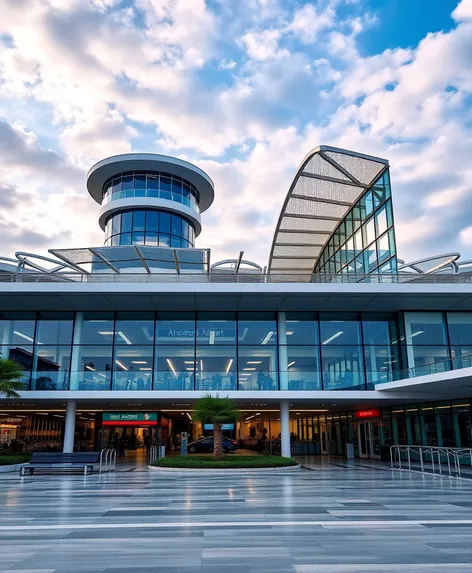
(343, 517)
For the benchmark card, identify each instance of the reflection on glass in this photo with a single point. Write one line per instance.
(174, 367)
(97, 328)
(133, 368)
(216, 328)
(95, 367)
(460, 327)
(54, 328)
(339, 329)
(423, 328)
(175, 328)
(381, 364)
(215, 368)
(257, 368)
(301, 328)
(257, 328)
(51, 368)
(17, 328)
(423, 360)
(134, 328)
(343, 367)
(303, 368)
(23, 356)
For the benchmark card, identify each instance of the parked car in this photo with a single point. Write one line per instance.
(205, 445)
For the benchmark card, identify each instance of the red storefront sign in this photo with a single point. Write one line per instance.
(363, 414)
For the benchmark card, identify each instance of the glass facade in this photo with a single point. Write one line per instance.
(364, 241)
(150, 184)
(232, 351)
(149, 227)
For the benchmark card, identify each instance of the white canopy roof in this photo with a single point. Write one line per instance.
(326, 186)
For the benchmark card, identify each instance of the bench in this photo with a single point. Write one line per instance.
(61, 461)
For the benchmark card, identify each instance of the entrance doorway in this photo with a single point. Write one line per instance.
(369, 439)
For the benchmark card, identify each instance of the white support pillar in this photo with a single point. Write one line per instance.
(69, 432)
(283, 360)
(285, 429)
(241, 430)
(75, 373)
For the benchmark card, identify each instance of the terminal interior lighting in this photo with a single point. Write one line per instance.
(333, 337)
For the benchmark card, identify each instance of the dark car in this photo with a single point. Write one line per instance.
(205, 445)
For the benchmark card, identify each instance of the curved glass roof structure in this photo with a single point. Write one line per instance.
(326, 186)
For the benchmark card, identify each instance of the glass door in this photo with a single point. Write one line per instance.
(364, 441)
(369, 439)
(323, 439)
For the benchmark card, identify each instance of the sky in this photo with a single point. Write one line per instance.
(244, 89)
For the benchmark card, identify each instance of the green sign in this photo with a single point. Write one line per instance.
(130, 416)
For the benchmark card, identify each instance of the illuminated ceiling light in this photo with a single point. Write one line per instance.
(147, 368)
(121, 365)
(90, 367)
(290, 333)
(417, 333)
(212, 337)
(249, 368)
(254, 362)
(171, 366)
(138, 361)
(333, 337)
(267, 337)
(291, 364)
(229, 365)
(106, 332)
(189, 361)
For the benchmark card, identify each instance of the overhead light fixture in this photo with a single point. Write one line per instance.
(106, 332)
(291, 364)
(212, 337)
(249, 368)
(254, 362)
(189, 369)
(121, 365)
(333, 337)
(229, 365)
(267, 337)
(90, 367)
(42, 413)
(147, 368)
(290, 333)
(171, 366)
(138, 361)
(201, 366)
(189, 361)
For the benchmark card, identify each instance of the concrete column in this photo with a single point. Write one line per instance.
(241, 430)
(74, 383)
(285, 429)
(69, 432)
(283, 361)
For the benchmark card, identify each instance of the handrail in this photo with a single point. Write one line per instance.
(103, 452)
(202, 276)
(436, 458)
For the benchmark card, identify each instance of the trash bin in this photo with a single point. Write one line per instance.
(350, 451)
(162, 451)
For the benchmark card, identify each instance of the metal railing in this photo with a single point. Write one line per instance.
(107, 460)
(220, 277)
(434, 460)
(156, 452)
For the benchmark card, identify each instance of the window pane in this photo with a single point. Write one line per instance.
(342, 367)
(383, 249)
(425, 328)
(339, 329)
(139, 220)
(379, 330)
(164, 240)
(301, 328)
(125, 239)
(304, 372)
(151, 239)
(175, 328)
(423, 360)
(175, 367)
(153, 182)
(152, 221)
(134, 328)
(126, 222)
(133, 368)
(164, 222)
(460, 327)
(216, 328)
(97, 328)
(257, 367)
(461, 356)
(54, 328)
(95, 366)
(381, 363)
(115, 224)
(52, 368)
(370, 231)
(176, 225)
(216, 368)
(381, 219)
(23, 356)
(257, 328)
(127, 183)
(17, 328)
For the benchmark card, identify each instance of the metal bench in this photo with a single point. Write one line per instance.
(61, 461)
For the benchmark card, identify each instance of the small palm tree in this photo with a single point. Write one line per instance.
(10, 374)
(215, 410)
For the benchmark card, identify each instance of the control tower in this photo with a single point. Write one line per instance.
(150, 199)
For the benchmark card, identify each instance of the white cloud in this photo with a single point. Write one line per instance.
(463, 11)
(263, 45)
(308, 22)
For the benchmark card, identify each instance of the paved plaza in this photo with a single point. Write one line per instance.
(337, 516)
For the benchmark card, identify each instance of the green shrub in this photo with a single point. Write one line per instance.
(228, 462)
(7, 458)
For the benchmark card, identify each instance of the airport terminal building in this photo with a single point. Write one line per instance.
(334, 339)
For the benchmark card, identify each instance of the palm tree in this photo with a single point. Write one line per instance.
(215, 410)
(10, 374)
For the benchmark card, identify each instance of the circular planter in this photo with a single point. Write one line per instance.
(225, 471)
